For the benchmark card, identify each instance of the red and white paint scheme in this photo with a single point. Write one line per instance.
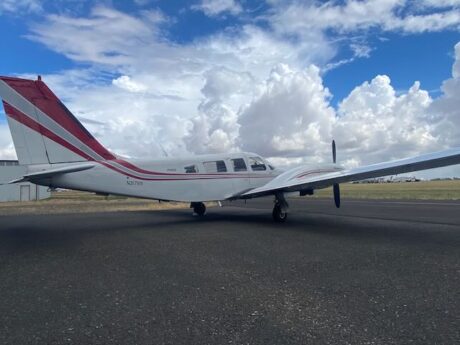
(59, 152)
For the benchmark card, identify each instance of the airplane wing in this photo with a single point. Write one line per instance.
(304, 179)
(53, 172)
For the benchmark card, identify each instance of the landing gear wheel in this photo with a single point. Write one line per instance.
(278, 214)
(199, 208)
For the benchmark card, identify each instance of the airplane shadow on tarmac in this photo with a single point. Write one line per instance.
(27, 232)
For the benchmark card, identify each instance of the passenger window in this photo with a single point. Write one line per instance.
(191, 169)
(239, 164)
(213, 167)
(257, 164)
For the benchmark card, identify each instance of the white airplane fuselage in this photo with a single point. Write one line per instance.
(166, 179)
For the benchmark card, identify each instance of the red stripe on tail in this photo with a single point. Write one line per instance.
(36, 92)
(27, 121)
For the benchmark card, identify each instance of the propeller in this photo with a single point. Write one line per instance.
(336, 195)
(336, 187)
(334, 153)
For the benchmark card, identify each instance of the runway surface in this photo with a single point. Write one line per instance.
(373, 272)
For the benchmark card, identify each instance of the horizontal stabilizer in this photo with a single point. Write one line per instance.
(53, 172)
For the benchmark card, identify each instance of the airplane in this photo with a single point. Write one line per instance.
(59, 152)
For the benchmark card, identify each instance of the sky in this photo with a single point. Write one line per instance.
(281, 78)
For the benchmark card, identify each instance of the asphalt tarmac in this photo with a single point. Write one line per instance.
(373, 272)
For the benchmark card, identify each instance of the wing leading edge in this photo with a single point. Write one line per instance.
(293, 180)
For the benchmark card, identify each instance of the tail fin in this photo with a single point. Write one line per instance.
(43, 129)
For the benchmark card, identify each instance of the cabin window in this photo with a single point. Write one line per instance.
(216, 166)
(190, 169)
(239, 164)
(257, 164)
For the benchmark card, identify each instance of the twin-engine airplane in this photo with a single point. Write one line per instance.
(59, 152)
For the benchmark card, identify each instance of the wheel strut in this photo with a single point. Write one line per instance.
(280, 210)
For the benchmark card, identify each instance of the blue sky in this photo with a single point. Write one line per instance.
(214, 68)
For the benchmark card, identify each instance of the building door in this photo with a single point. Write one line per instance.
(25, 193)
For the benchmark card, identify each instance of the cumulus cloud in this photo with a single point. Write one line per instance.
(445, 110)
(291, 117)
(214, 8)
(381, 125)
(215, 129)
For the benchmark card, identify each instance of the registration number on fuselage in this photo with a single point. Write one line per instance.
(134, 183)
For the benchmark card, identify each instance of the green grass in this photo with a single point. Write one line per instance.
(429, 190)
(82, 196)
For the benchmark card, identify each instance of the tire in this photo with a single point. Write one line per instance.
(278, 214)
(199, 208)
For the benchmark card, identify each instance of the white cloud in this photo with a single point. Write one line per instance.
(20, 6)
(381, 125)
(6, 143)
(353, 15)
(124, 82)
(456, 66)
(215, 129)
(213, 8)
(440, 3)
(106, 37)
(291, 117)
(445, 111)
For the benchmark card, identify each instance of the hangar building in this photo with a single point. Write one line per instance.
(24, 191)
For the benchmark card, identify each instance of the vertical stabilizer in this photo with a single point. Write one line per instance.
(43, 129)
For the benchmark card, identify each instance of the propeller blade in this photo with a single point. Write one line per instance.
(336, 188)
(334, 154)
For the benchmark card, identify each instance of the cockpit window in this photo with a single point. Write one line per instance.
(216, 166)
(257, 164)
(239, 164)
(190, 169)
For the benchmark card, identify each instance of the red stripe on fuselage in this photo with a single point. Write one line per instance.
(192, 176)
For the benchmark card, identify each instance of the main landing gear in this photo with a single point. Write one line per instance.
(198, 208)
(280, 210)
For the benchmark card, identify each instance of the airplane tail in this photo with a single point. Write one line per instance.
(44, 131)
